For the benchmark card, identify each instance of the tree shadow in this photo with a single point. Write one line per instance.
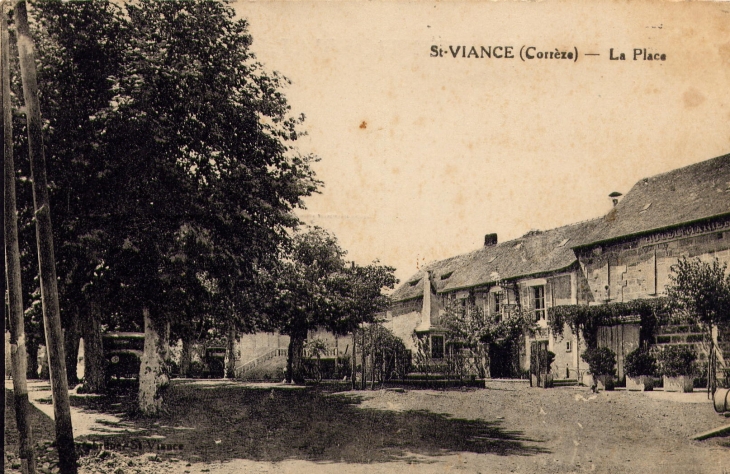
(42, 427)
(234, 422)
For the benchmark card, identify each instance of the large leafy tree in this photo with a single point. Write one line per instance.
(172, 166)
(315, 287)
(302, 298)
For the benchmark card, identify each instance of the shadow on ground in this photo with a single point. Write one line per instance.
(234, 422)
(42, 427)
(43, 432)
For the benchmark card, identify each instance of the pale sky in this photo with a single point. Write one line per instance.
(422, 156)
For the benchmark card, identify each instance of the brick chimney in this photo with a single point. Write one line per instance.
(490, 240)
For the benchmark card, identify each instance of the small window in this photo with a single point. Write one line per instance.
(497, 302)
(437, 347)
(538, 302)
(414, 282)
(446, 276)
(568, 346)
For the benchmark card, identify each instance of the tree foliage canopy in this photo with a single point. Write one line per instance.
(172, 168)
(316, 287)
(700, 291)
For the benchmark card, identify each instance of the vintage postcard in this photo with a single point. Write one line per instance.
(548, 182)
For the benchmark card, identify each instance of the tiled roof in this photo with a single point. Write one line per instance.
(413, 287)
(532, 254)
(684, 195)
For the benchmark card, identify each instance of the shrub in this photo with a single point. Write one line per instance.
(677, 361)
(639, 362)
(600, 360)
(547, 359)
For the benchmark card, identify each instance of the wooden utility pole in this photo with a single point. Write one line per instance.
(364, 368)
(354, 359)
(18, 353)
(44, 238)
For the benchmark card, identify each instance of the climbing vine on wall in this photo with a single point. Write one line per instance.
(587, 319)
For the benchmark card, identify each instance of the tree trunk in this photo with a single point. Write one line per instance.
(372, 369)
(18, 355)
(231, 354)
(295, 363)
(43, 363)
(44, 239)
(32, 370)
(577, 362)
(364, 367)
(485, 361)
(71, 336)
(185, 357)
(94, 362)
(153, 378)
(337, 357)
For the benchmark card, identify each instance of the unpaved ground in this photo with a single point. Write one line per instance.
(508, 427)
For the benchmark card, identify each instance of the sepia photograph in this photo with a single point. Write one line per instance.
(348, 236)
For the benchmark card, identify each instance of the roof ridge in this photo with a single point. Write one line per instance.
(684, 168)
(584, 221)
(483, 248)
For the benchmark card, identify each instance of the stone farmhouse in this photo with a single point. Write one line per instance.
(625, 255)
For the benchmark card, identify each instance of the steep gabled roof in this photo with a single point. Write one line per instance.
(533, 254)
(681, 196)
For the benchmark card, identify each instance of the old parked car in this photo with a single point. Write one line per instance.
(123, 353)
(215, 362)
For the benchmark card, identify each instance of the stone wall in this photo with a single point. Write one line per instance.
(251, 346)
(640, 268)
(403, 326)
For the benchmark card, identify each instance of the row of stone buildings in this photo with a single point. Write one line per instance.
(624, 255)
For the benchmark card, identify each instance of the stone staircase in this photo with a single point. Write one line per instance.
(565, 382)
(240, 370)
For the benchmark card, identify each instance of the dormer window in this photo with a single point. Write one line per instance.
(414, 282)
(446, 276)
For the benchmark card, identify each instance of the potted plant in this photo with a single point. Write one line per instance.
(639, 366)
(602, 365)
(678, 366)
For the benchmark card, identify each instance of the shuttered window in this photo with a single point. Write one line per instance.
(538, 301)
